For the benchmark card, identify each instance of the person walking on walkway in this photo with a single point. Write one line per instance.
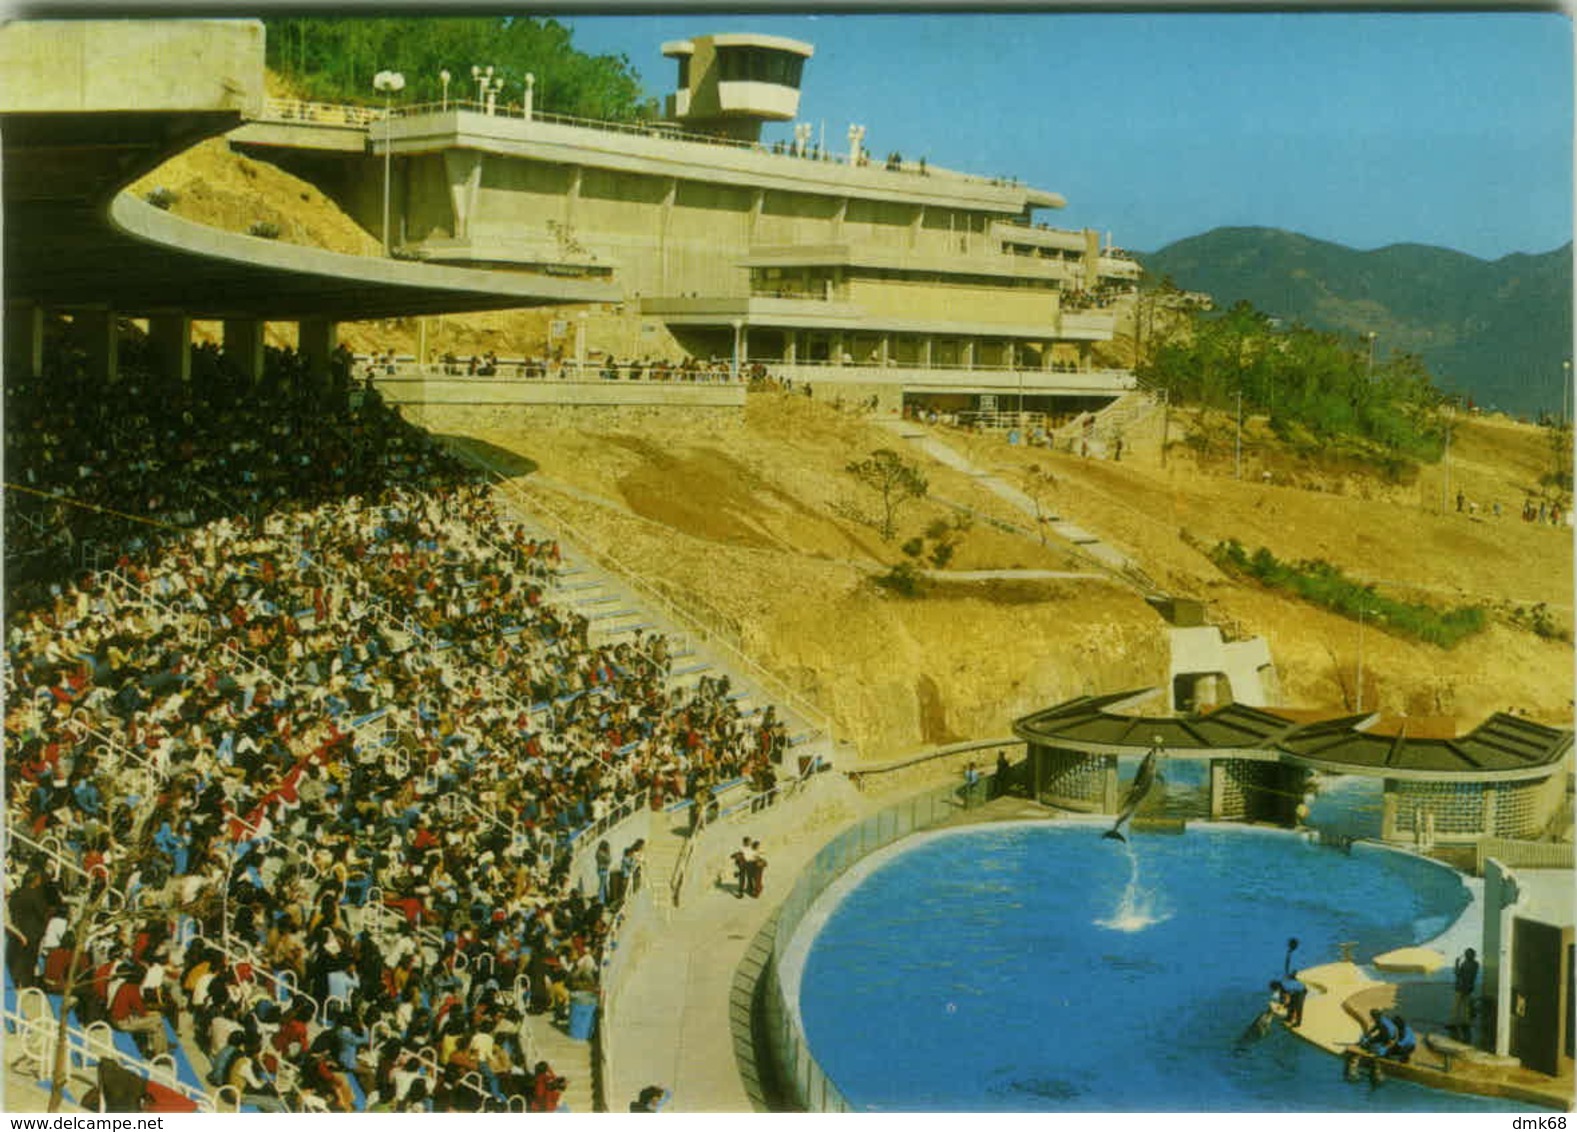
(758, 865)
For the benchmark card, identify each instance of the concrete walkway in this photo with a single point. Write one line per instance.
(920, 437)
(672, 1017)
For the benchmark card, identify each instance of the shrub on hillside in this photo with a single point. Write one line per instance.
(1319, 583)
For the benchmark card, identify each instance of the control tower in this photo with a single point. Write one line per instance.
(729, 84)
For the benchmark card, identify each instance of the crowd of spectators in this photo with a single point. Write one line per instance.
(688, 369)
(318, 739)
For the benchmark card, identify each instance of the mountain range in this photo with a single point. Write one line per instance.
(1497, 331)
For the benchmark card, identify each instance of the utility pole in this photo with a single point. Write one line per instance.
(1358, 705)
(1445, 486)
(1237, 453)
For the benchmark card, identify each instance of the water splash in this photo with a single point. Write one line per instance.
(1139, 908)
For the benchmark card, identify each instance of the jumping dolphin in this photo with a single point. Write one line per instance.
(1137, 791)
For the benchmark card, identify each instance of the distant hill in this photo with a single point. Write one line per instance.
(1497, 331)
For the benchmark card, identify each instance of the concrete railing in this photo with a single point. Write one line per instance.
(1523, 854)
(1002, 379)
(797, 1070)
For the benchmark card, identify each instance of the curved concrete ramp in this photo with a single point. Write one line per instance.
(88, 106)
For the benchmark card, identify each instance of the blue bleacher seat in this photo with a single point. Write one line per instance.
(184, 1070)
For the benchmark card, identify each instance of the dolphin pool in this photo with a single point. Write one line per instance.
(1037, 967)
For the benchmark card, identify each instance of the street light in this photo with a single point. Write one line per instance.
(531, 83)
(389, 82)
(444, 77)
(492, 90)
(1566, 387)
(1371, 335)
(481, 76)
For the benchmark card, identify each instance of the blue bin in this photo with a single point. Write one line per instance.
(582, 1015)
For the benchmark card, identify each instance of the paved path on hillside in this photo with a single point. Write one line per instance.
(920, 437)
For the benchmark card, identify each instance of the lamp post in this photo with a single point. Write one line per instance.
(531, 83)
(1363, 608)
(1566, 387)
(482, 76)
(856, 137)
(444, 77)
(389, 82)
(1237, 443)
(492, 89)
(802, 131)
(1370, 336)
(1445, 484)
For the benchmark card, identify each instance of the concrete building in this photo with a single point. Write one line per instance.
(87, 106)
(879, 276)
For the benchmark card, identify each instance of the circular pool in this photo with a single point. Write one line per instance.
(1037, 966)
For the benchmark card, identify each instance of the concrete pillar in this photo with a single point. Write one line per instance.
(969, 353)
(1218, 789)
(757, 203)
(886, 351)
(790, 346)
(838, 347)
(171, 336)
(837, 219)
(317, 339)
(24, 339)
(925, 351)
(572, 197)
(243, 347)
(916, 226)
(97, 332)
(1388, 811)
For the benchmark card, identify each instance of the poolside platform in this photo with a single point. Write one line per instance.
(1337, 1009)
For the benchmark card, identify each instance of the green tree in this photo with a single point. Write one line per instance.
(896, 482)
(334, 60)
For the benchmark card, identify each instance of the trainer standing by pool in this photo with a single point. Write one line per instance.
(1462, 1008)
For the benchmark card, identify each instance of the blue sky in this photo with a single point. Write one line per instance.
(1368, 129)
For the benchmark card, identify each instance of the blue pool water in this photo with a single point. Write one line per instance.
(1039, 967)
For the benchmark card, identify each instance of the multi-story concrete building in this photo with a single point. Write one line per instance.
(880, 274)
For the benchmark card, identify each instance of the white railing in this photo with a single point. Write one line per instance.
(532, 370)
(335, 114)
(319, 113)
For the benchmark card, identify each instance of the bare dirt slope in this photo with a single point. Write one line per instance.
(749, 519)
(746, 518)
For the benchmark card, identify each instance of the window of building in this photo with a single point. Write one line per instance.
(760, 65)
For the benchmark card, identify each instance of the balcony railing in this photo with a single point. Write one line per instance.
(319, 113)
(327, 113)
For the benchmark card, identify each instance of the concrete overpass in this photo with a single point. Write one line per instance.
(86, 107)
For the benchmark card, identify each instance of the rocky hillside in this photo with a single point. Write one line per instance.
(1497, 331)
